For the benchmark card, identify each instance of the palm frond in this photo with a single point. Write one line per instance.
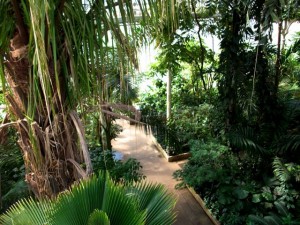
(272, 218)
(6, 24)
(98, 218)
(97, 199)
(247, 139)
(281, 208)
(96, 193)
(288, 143)
(27, 211)
(257, 220)
(157, 203)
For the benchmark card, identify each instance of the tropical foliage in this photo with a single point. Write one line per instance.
(97, 201)
(53, 56)
(236, 109)
(125, 172)
(12, 171)
(244, 154)
(190, 109)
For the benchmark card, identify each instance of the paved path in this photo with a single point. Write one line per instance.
(132, 142)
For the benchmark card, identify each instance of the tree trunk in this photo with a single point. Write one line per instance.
(278, 59)
(52, 144)
(169, 94)
(231, 64)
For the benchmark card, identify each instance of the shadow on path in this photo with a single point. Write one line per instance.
(133, 143)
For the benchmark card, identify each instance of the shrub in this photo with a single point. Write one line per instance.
(190, 122)
(216, 174)
(234, 187)
(193, 122)
(12, 171)
(124, 172)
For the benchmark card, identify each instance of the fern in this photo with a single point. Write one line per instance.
(285, 172)
(280, 170)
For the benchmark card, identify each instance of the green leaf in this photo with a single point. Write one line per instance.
(257, 220)
(240, 193)
(256, 198)
(273, 220)
(98, 218)
(281, 208)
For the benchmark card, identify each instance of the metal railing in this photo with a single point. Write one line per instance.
(164, 133)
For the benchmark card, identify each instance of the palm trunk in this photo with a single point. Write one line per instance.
(55, 53)
(52, 144)
(49, 144)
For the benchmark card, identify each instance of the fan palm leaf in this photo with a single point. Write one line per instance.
(28, 211)
(98, 218)
(99, 200)
(155, 200)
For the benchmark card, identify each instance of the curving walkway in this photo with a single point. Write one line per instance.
(133, 143)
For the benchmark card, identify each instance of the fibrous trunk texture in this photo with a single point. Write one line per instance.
(53, 157)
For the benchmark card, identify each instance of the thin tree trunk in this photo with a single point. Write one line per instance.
(169, 94)
(201, 47)
(232, 67)
(278, 59)
(285, 31)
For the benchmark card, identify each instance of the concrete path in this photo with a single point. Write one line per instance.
(133, 143)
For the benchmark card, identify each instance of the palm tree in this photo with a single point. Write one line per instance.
(52, 57)
(50, 53)
(97, 201)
